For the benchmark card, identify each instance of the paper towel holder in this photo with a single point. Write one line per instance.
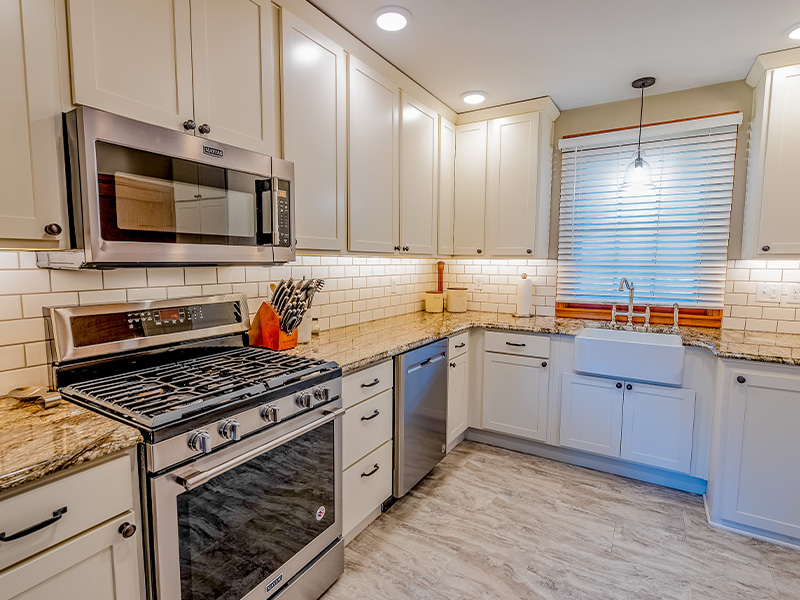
(518, 314)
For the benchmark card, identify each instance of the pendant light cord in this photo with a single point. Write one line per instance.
(641, 114)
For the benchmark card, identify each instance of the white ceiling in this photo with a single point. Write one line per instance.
(578, 52)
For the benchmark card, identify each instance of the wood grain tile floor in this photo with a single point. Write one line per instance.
(489, 523)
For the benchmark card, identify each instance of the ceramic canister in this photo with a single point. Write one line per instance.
(457, 299)
(434, 302)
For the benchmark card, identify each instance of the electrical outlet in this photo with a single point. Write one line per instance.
(768, 292)
(393, 284)
(479, 282)
(791, 293)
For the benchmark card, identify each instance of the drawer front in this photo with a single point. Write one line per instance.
(90, 497)
(366, 426)
(458, 345)
(518, 343)
(361, 492)
(367, 383)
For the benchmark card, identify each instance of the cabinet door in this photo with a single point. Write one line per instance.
(30, 121)
(657, 426)
(233, 72)
(457, 400)
(780, 210)
(591, 414)
(761, 483)
(447, 181)
(515, 395)
(512, 186)
(133, 58)
(374, 186)
(419, 141)
(314, 133)
(470, 189)
(97, 565)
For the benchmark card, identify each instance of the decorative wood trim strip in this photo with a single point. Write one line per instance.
(659, 315)
(577, 135)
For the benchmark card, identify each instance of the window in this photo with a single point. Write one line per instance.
(670, 241)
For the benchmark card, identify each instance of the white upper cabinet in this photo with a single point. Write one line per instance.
(772, 209)
(447, 182)
(512, 187)
(133, 58)
(419, 140)
(167, 62)
(374, 186)
(233, 72)
(315, 135)
(470, 189)
(30, 155)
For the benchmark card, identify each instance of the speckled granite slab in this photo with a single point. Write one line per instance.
(358, 346)
(35, 442)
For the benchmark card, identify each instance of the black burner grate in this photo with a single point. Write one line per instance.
(167, 393)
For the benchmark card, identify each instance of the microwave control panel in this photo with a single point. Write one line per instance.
(90, 330)
(283, 226)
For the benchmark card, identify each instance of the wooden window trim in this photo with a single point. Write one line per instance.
(659, 315)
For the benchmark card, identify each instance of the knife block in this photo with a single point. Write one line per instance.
(266, 332)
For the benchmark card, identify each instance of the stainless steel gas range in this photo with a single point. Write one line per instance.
(241, 465)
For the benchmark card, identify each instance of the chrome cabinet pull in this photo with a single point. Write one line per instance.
(515, 345)
(192, 480)
(372, 416)
(369, 385)
(57, 514)
(371, 473)
(461, 345)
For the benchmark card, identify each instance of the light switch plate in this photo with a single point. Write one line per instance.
(393, 284)
(791, 294)
(479, 282)
(768, 292)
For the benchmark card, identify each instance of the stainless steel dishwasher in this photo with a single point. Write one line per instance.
(420, 422)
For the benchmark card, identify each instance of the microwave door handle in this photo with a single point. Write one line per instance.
(276, 240)
(262, 186)
(197, 478)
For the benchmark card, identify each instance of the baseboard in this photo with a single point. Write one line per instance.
(353, 533)
(758, 534)
(456, 441)
(677, 481)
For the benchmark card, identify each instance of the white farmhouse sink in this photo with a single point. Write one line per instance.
(636, 355)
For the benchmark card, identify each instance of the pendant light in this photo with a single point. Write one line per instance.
(638, 177)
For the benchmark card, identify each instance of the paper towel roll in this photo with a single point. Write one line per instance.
(524, 292)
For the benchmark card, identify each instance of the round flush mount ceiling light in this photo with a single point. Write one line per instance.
(794, 32)
(392, 18)
(474, 97)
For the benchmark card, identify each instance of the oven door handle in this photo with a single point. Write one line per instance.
(197, 478)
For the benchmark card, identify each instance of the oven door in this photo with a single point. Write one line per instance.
(241, 523)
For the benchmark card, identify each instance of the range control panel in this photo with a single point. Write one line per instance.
(90, 330)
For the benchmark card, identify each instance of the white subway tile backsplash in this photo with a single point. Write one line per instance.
(12, 357)
(32, 304)
(124, 278)
(74, 281)
(139, 294)
(24, 282)
(187, 291)
(230, 274)
(165, 277)
(9, 260)
(21, 331)
(36, 354)
(201, 275)
(103, 296)
(10, 308)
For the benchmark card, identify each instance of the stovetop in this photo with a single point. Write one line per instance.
(165, 394)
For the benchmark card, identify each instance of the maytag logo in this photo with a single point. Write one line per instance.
(211, 151)
(271, 585)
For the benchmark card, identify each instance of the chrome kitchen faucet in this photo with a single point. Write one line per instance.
(623, 283)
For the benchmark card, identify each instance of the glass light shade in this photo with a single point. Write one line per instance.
(392, 18)
(474, 97)
(638, 176)
(794, 34)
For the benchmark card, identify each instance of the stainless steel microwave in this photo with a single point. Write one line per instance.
(143, 195)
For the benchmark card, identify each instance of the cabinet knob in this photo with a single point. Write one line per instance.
(189, 125)
(544, 364)
(629, 387)
(52, 229)
(529, 251)
(127, 529)
(405, 248)
(741, 379)
(452, 365)
(204, 128)
(765, 248)
(619, 385)
(397, 248)
(480, 251)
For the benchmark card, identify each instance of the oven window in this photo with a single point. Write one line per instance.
(147, 197)
(242, 526)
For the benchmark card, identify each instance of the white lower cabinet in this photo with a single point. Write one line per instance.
(365, 485)
(761, 478)
(591, 414)
(367, 426)
(457, 400)
(515, 395)
(647, 424)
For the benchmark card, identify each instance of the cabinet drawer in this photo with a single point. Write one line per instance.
(518, 343)
(367, 383)
(90, 497)
(366, 426)
(458, 345)
(361, 492)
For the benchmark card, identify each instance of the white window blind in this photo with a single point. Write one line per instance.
(671, 241)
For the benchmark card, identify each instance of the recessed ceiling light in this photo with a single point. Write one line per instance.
(794, 34)
(474, 97)
(392, 18)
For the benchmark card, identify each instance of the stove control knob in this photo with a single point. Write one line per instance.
(303, 400)
(230, 430)
(321, 394)
(200, 441)
(271, 413)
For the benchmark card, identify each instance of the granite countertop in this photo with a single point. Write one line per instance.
(35, 442)
(358, 346)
